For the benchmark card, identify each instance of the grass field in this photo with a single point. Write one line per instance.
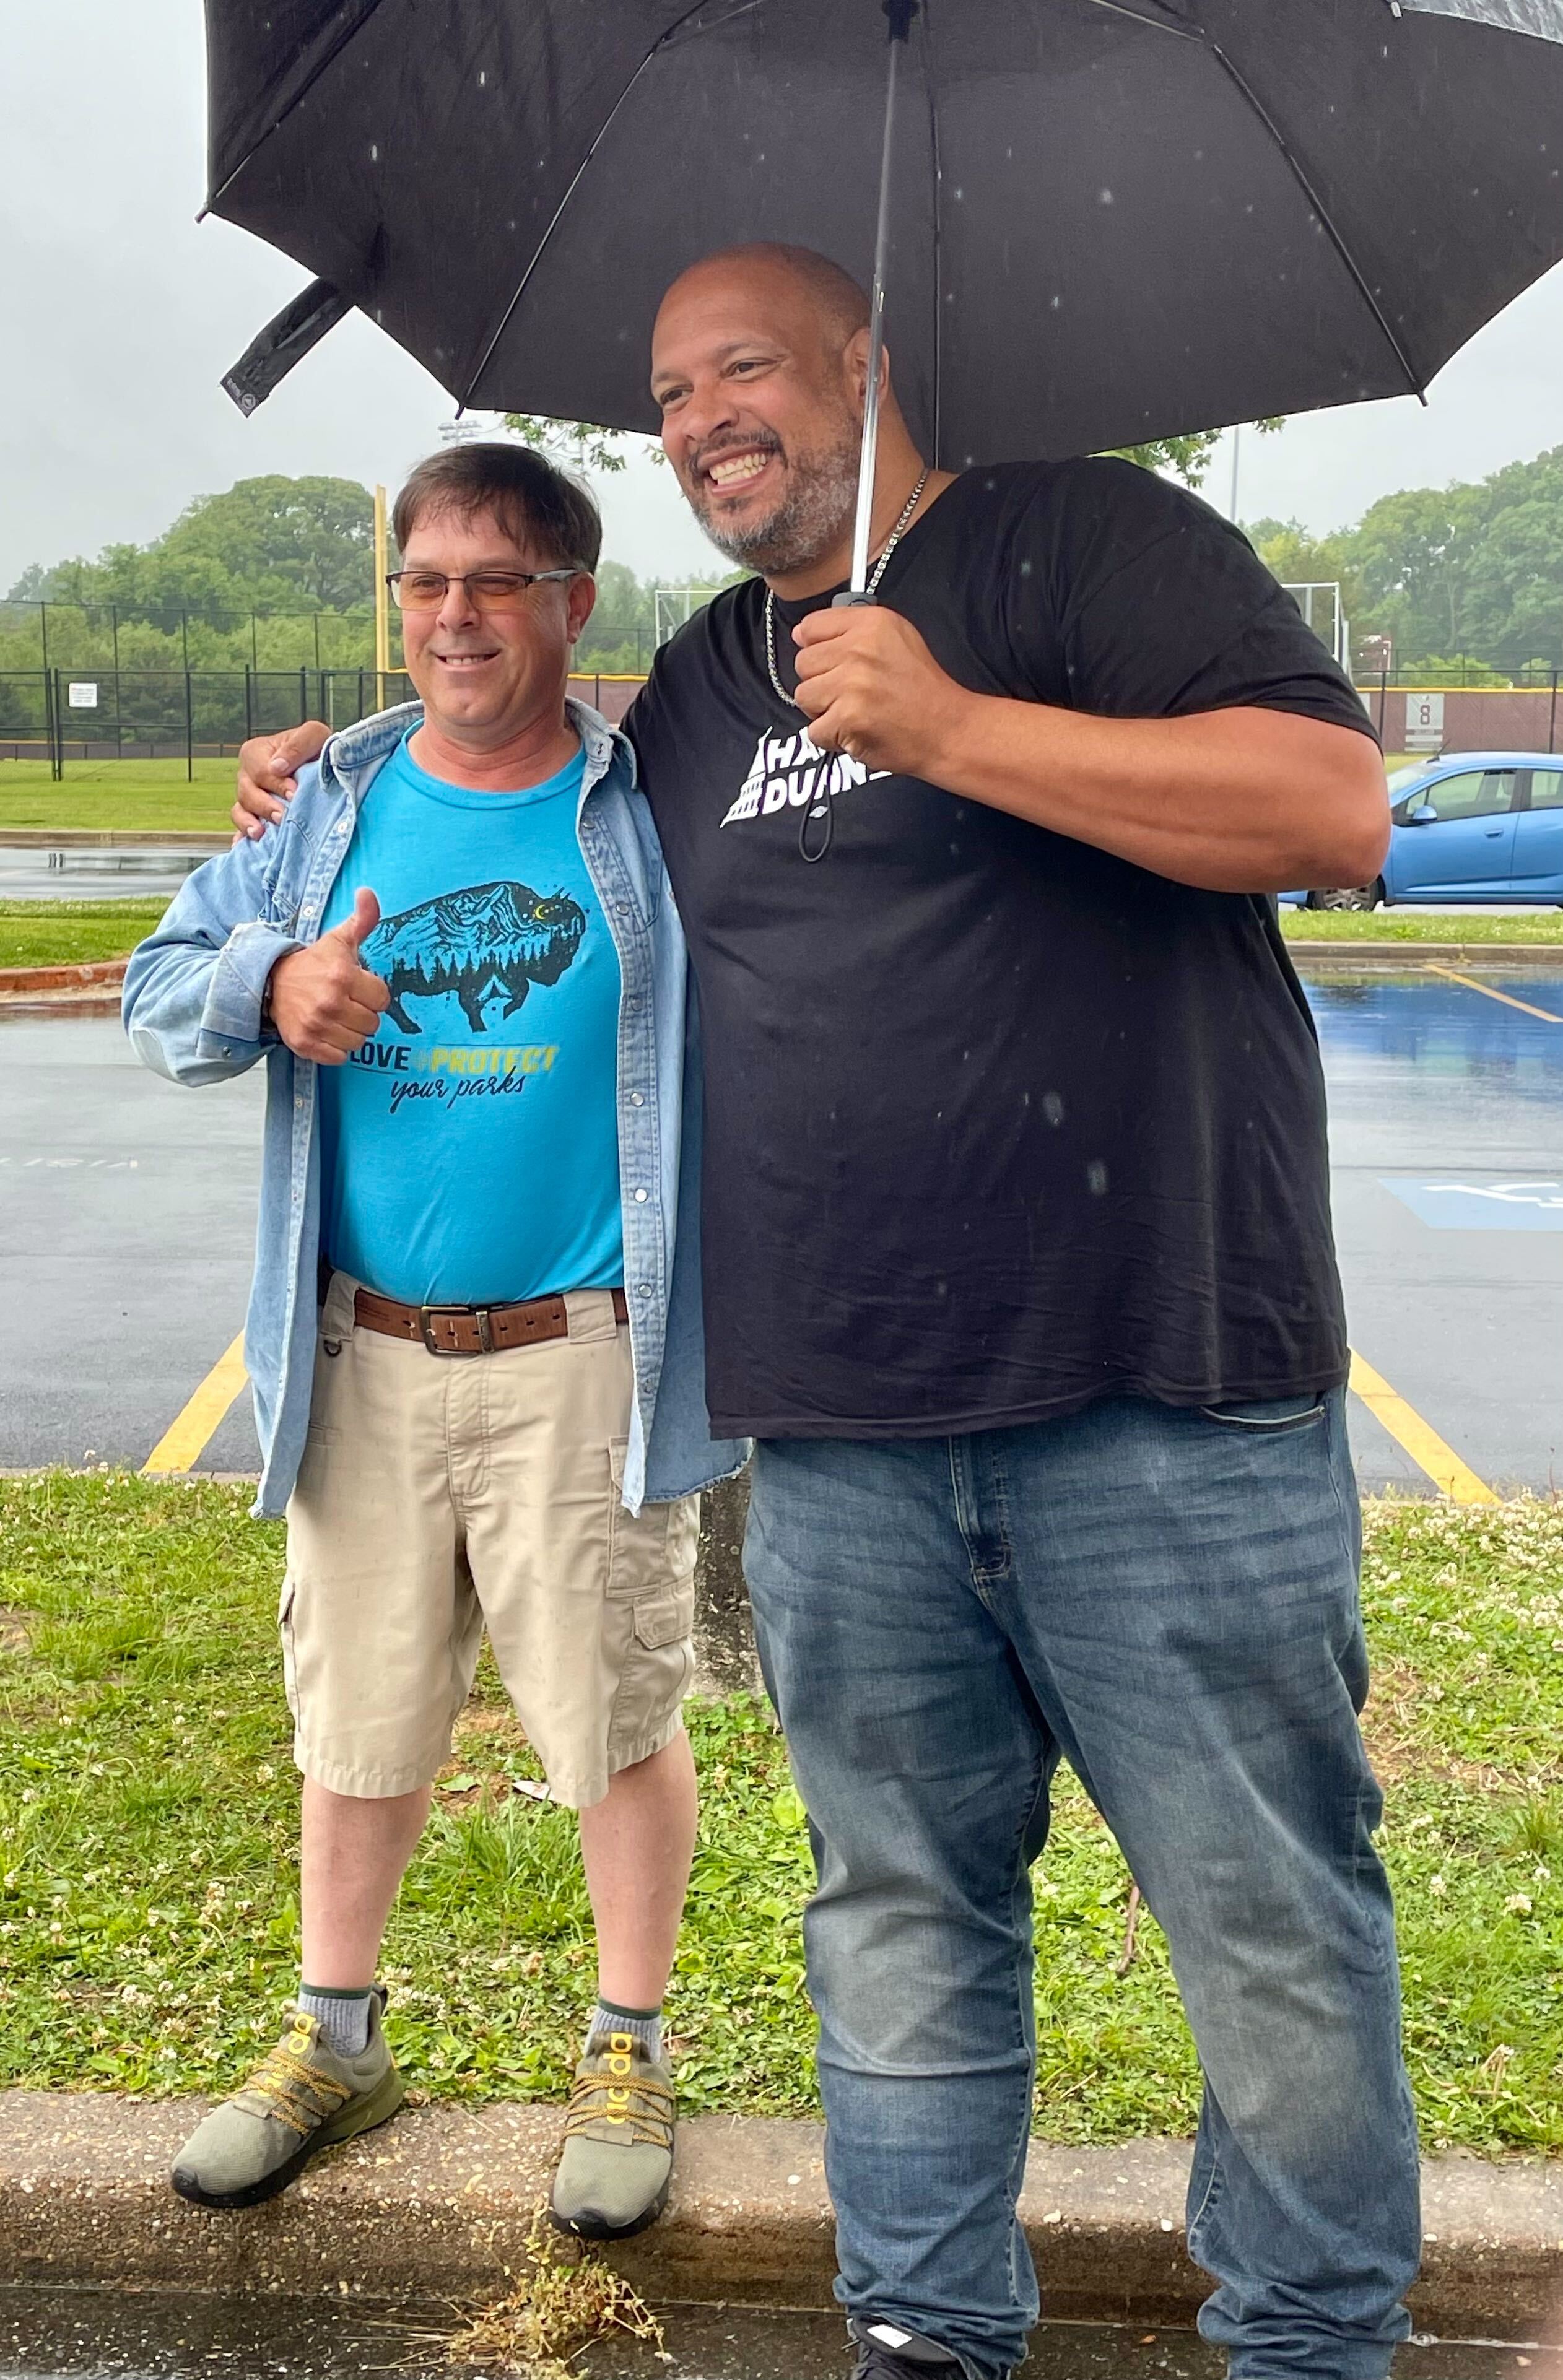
(1421, 926)
(127, 796)
(67, 933)
(148, 1899)
(63, 933)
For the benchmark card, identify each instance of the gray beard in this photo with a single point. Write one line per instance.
(812, 517)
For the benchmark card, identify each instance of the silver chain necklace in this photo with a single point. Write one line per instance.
(890, 544)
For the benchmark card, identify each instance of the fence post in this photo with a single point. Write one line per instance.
(303, 693)
(190, 733)
(1552, 721)
(248, 711)
(51, 716)
(1383, 697)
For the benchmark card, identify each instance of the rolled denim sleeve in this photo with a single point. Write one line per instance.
(194, 990)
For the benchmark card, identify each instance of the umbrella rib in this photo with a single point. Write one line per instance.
(1154, 24)
(1413, 379)
(670, 34)
(333, 51)
(930, 80)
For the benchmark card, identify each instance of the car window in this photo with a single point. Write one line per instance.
(1475, 793)
(1547, 789)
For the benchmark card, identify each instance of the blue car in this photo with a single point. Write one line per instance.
(1470, 826)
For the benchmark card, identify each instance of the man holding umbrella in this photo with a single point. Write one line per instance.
(1019, 1267)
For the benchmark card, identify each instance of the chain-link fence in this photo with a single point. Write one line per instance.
(61, 715)
(82, 714)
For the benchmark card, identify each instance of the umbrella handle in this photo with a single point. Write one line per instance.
(851, 599)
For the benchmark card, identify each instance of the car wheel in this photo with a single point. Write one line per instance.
(1360, 896)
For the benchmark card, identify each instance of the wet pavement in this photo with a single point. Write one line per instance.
(1447, 1161)
(147, 2336)
(93, 875)
(128, 1206)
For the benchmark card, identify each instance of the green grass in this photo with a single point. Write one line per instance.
(127, 796)
(148, 1895)
(1419, 926)
(68, 933)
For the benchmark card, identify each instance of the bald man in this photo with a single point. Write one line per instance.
(1018, 1268)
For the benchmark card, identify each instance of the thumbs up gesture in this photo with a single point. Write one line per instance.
(323, 1001)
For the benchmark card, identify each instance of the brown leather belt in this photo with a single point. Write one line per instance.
(471, 1330)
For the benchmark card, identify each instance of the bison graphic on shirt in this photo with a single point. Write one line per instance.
(484, 940)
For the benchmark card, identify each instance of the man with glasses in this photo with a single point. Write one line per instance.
(474, 1331)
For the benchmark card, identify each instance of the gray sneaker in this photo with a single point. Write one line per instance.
(302, 2098)
(618, 2159)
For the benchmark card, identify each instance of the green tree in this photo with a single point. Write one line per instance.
(1298, 559)
(1188, 457)
(580, 446)
(1413, 551)
(270, 544)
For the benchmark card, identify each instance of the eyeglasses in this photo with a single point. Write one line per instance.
(491, 590)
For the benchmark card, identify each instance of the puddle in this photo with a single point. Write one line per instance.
(91, 874)
(59, 2335)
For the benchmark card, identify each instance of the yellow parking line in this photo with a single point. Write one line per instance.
(1420, 1440)
(1549, 1015)
(187, 1436)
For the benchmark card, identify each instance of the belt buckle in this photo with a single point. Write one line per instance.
(479, 1314)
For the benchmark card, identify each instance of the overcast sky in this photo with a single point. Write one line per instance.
(120, 315)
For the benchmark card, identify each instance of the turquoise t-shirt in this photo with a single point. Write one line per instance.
(470, 1150)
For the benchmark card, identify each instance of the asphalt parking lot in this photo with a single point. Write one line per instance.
(128, 1210)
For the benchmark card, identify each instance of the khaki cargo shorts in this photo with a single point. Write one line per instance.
(440, 1494)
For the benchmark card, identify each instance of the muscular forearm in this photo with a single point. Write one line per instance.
(1233, 801)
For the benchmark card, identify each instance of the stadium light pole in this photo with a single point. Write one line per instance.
(382, 603)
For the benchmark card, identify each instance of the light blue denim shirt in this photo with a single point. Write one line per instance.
(192, 1009)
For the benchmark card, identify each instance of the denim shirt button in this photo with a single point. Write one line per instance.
(637, 1098)
(642, 1288)
(642, 1197)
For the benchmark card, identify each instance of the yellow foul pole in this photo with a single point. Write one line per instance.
(382, 603)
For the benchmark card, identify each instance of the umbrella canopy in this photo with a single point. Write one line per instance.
(1114, 220)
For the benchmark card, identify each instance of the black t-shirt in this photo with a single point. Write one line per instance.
(997, 1123)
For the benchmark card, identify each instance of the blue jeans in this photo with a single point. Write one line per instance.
(1167, 1599)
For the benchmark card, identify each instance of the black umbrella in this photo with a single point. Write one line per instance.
(1113, 220)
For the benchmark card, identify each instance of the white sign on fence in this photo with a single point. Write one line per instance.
(82, 695)
(1424, 723)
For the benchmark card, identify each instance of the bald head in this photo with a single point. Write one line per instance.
(829, 294)
(759, 366)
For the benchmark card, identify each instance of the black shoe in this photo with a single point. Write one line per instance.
(888, 2352)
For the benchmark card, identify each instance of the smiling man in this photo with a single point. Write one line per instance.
(474, 1329)
(1018, 1267)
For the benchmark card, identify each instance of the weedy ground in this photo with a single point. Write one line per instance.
(149, 1876)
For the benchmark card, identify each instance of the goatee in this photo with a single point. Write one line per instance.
(813, 515)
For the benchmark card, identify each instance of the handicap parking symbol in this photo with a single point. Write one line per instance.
(1458, 1204)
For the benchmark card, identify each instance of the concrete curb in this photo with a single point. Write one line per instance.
(89, 838)
(438, 2203)
(91, 989)
(63, 978)
(1373, 957)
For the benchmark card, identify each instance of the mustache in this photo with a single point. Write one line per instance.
(733, 442)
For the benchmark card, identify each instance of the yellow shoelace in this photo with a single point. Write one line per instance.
(616, 2095)
(303, 2095)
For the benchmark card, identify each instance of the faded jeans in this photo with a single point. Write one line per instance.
(1167, 1599)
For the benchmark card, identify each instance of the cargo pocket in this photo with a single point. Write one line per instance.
(666, 1619)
